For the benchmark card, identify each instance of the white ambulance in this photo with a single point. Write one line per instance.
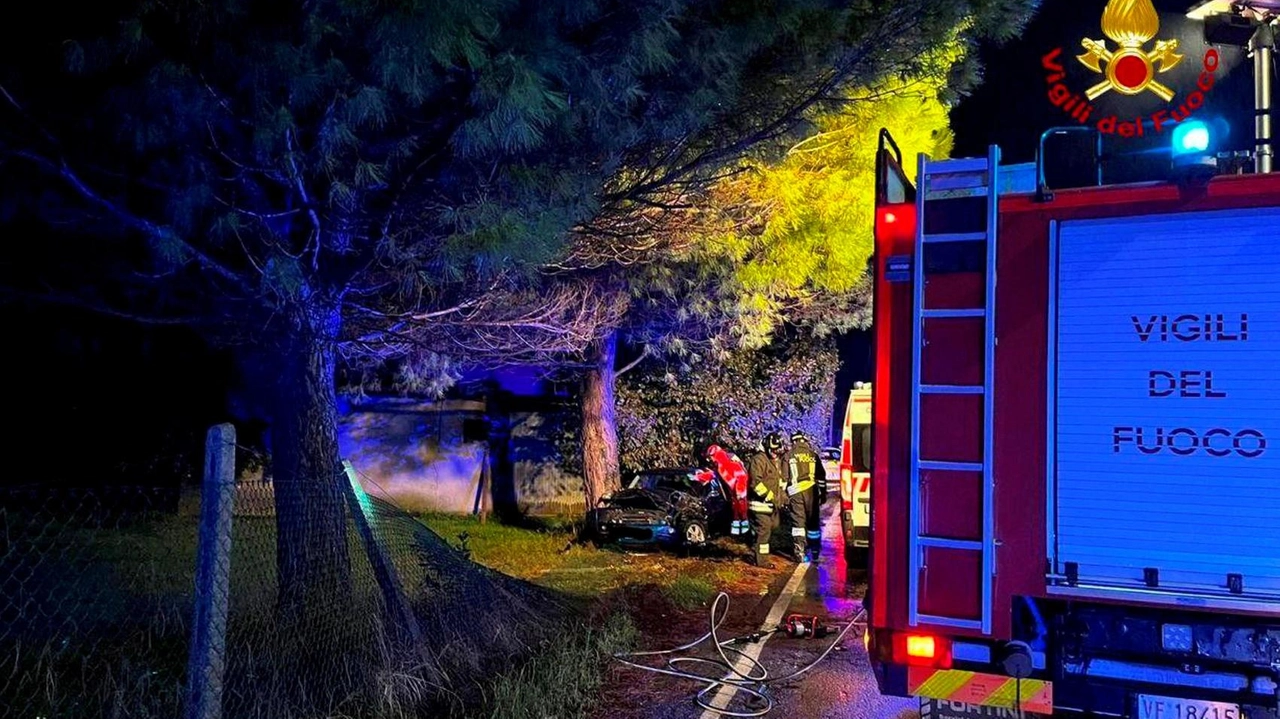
(855, 475)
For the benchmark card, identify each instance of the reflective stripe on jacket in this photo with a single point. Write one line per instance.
(766, 481)
(798, 487)
(762, 491)
(804, 469)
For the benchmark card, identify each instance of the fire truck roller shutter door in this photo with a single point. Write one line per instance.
(1165, 349)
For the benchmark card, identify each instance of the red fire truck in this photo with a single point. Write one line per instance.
(1076, 440)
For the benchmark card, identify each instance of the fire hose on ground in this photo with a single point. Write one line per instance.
(754, 679)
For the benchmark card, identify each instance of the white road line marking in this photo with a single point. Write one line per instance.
(726, 691)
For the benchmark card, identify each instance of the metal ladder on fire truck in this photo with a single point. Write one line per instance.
(957, 218)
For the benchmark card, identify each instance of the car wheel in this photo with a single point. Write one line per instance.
(693, 534)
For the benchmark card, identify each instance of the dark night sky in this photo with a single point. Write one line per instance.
(1011, 108)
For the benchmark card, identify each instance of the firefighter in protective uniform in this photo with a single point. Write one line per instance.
(806, 493)
(730, 469)
(765, 496)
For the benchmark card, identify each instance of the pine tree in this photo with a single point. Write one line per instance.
(777, 241)
(354, 182)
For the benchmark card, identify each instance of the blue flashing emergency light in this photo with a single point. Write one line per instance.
(1190, 137)
(1194, 150)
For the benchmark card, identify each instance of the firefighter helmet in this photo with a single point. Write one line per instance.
(773, 442)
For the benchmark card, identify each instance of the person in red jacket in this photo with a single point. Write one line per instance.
(734, 474)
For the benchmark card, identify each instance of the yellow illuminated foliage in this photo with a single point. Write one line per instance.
(799, 229)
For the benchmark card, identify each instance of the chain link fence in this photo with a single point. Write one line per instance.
(94, 602)
(257, 601)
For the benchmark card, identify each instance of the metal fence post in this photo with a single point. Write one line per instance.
(207, 660)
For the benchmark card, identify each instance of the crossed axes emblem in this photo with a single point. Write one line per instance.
(1130, 69)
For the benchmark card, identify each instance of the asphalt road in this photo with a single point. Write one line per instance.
(841, 686)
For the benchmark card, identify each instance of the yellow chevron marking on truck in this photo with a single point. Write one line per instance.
(1034, 695)
(943, 684)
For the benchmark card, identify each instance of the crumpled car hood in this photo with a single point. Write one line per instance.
(641, 499)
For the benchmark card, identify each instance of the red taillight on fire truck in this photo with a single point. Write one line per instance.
(895, 223)
(922, 650)
(846, 487)
(922, 647)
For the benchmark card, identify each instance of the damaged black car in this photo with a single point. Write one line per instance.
(665, 508)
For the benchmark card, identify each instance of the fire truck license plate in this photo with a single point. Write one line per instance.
(1156, 707)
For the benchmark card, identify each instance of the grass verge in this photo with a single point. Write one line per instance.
(564, 680)
(547, 556)
(651, 600)
(690, 593)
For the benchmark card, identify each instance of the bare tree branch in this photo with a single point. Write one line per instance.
(644, 354)
(155, 231)
(300, 185)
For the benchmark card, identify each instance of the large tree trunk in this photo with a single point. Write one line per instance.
(311, 539)
(599, 423)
